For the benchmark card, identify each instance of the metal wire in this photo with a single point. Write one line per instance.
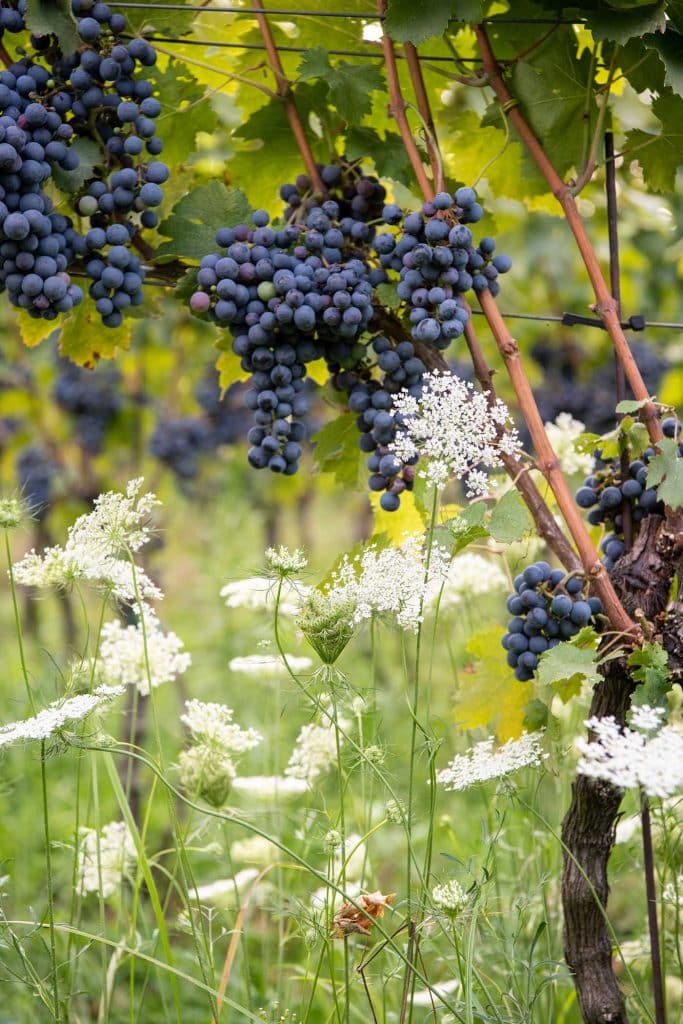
(573, 320)
(299, 49)
(292, 13)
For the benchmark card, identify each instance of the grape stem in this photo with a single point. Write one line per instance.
(284, 91)
(397, 108)
(605, 305)
(432, 142)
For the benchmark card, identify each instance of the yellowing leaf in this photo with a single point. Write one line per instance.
(32, 331)
(229, 369)
(489, 695)
(406, 519)
(318, 372)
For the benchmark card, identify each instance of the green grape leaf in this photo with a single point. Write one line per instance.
(660, 155)
(650, 667)
(388, 154)
(89, 155)
(185, 110)
(465, 528)
(567, 666)
(349, 85)
(487, 694)
(336, 450)
(410, 22)
(536, 714)
(509, 518)
(665, 472)
(669, 48)
(619, 28)
(193, 222)
(552, 85)
(388, 295)
(53, 17)
(84, 340)
(631, 405)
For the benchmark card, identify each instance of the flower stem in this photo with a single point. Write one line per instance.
(50, 884)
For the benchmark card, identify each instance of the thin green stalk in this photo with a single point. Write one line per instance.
(50, 884)
(147, 875)
(342, 832)
(17, 622)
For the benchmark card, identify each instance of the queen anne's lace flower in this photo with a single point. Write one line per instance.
(213, 723)
(450, 897)
(454, 430)
(105, 858)
(483, 762)
(285, 562)
(207, 768)
(54, 717)
(314, 753)
(562, 435)
(269, 788)
(98, 549)
(123, 660)
(392, 579)
(631, 757)
(258, 592)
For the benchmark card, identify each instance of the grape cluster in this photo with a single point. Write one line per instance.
(438, 262)
(359, 199)
(606, 490)
(92, 398)
(225, 412)
(286, 306)
(36, 472)
(12, 15)
(377, 423)
(547, 608)
(179, 443)
(46, 102)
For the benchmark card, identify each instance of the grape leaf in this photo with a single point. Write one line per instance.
(665, 472)
(669, 48)
(84, 340)
(466, 527)
(627, 25)
(32, 330)
(185, 110)
(488, 695)
(411, 22)
(336, 450)
(229, 369)
(53, 17)
(651, 669)
(552, 87)
(388, 153)
(509, 519)
(193, 222)
(660, 155)
(89, 156)
(568, 665)
(395, 525)
(349, 85)
(387, 294)
(631, 405)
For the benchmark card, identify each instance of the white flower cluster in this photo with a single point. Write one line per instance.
(105, 858)
(483, 762)
(454, 430)
(54, 717)
(468, 576)
(269, 788)
(269, 665)
(562, 435)
(257, 592)
(122, 659)
(207, 767)
(393, 580)
(213, 723)
(631, 757)
(449, 897)
(283, 561)
(314, 753)
(99, 549)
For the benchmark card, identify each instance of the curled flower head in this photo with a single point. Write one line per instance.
(208, 772)
(449, 897)
(327, 622)
(12, 513)
(454, 430)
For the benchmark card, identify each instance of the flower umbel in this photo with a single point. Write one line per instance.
(123, 660)
(105, 858)
(53, 718)
(283, 562)
(454, 430)
(563, 434)
(450, 897)
(207, 767)
(630, 757)
(314, 753)
(483, 762)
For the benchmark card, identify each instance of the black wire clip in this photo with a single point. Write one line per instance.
(634, 323)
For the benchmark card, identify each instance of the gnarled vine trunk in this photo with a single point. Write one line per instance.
(642, 579)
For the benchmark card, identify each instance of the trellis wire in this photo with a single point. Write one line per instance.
(293, 13)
